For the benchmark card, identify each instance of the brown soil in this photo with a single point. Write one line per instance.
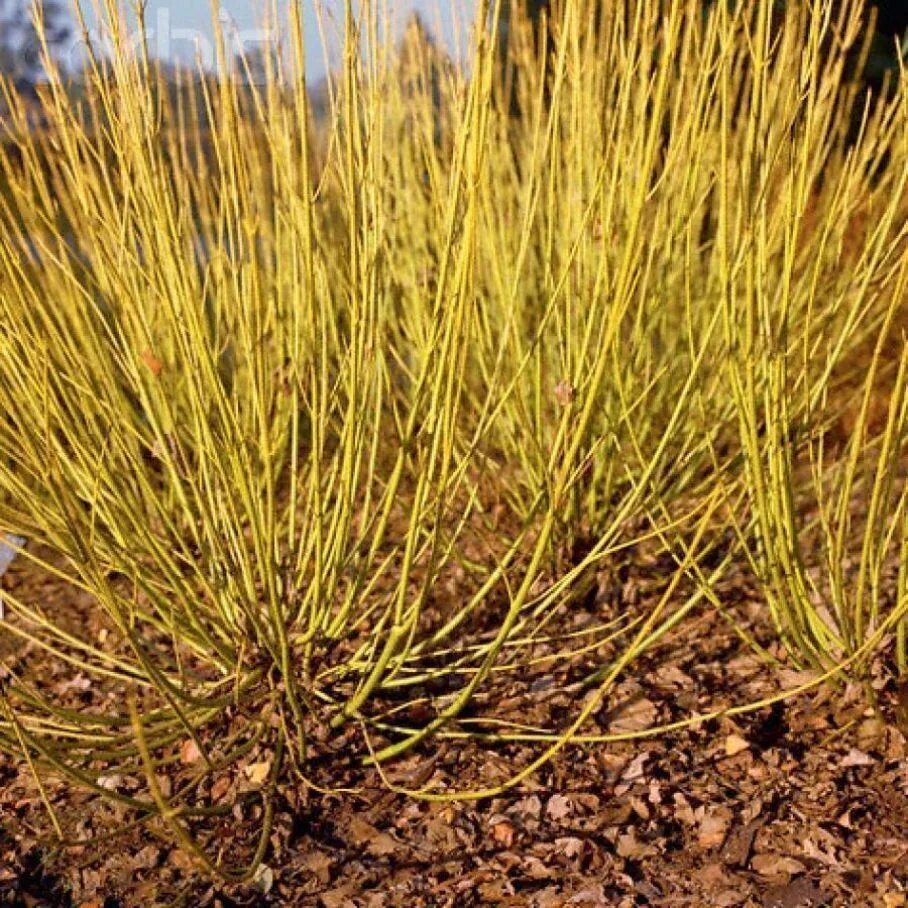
(802, 803)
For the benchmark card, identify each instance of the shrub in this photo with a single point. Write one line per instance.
(329, 421)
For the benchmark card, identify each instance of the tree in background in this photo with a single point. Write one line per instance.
(891, 32)
(20, 45)
(891, 35)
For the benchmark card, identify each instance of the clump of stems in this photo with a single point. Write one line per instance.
(325, 415)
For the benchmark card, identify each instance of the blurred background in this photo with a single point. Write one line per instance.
(182, 33)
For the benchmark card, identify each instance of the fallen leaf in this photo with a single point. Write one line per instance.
(683, 811)
(257, 773)
(365, 835)
(775, 865)
(813, 850)
(591, 895)
(494, 892)
(529, 806)
(319, 864)
(672, 675)
(712, 875)
(856, 757)
(629, 847)
(570, 847)
(535, 869)
(263, 879)
(735, 744)
(338, 897)
(790, 678)
(503, 833)
(870, 734)
(110, 783)
(637, 715)
(739, 844)
(634, 770)
(220, 787)
(558, 807)
(148, 858)
(639, 807)
(796, 894)
(655, 793)
(382, 844)
(713, 829)
(189, 752)
(79, 684)
(182, 860)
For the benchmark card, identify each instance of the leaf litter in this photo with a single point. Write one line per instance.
(802, 803)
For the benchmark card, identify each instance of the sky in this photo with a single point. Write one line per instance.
(181, 29)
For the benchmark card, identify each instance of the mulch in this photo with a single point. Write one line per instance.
(804, 802)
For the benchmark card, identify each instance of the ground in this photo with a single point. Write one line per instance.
(801, 803)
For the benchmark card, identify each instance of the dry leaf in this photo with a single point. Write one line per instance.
(639, 807)
(570, 847)
(182, 860)
(870, 734)
(558, 807)
(796, 894)
(790, 678)
(629, 847)
(775, 865)
(263, 879)
(148, 858)
(813, 850)
(503, 833)
(590, 895)
(319, 864)
(79, 684)
(856, 757)
(637, 715)
(737, 848)
(152, 362)
(683, 811)
(366, 835)
(382, 844)
(257, 773)
(110, 783)
(634, 770)
(529, 806)
(220, 788)
(339, 897)
(713, 829)
(565, 392)
(189, 752)
(361, 831)
(712, 875)
(535, 869)
(735, 744)
(671, 675)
